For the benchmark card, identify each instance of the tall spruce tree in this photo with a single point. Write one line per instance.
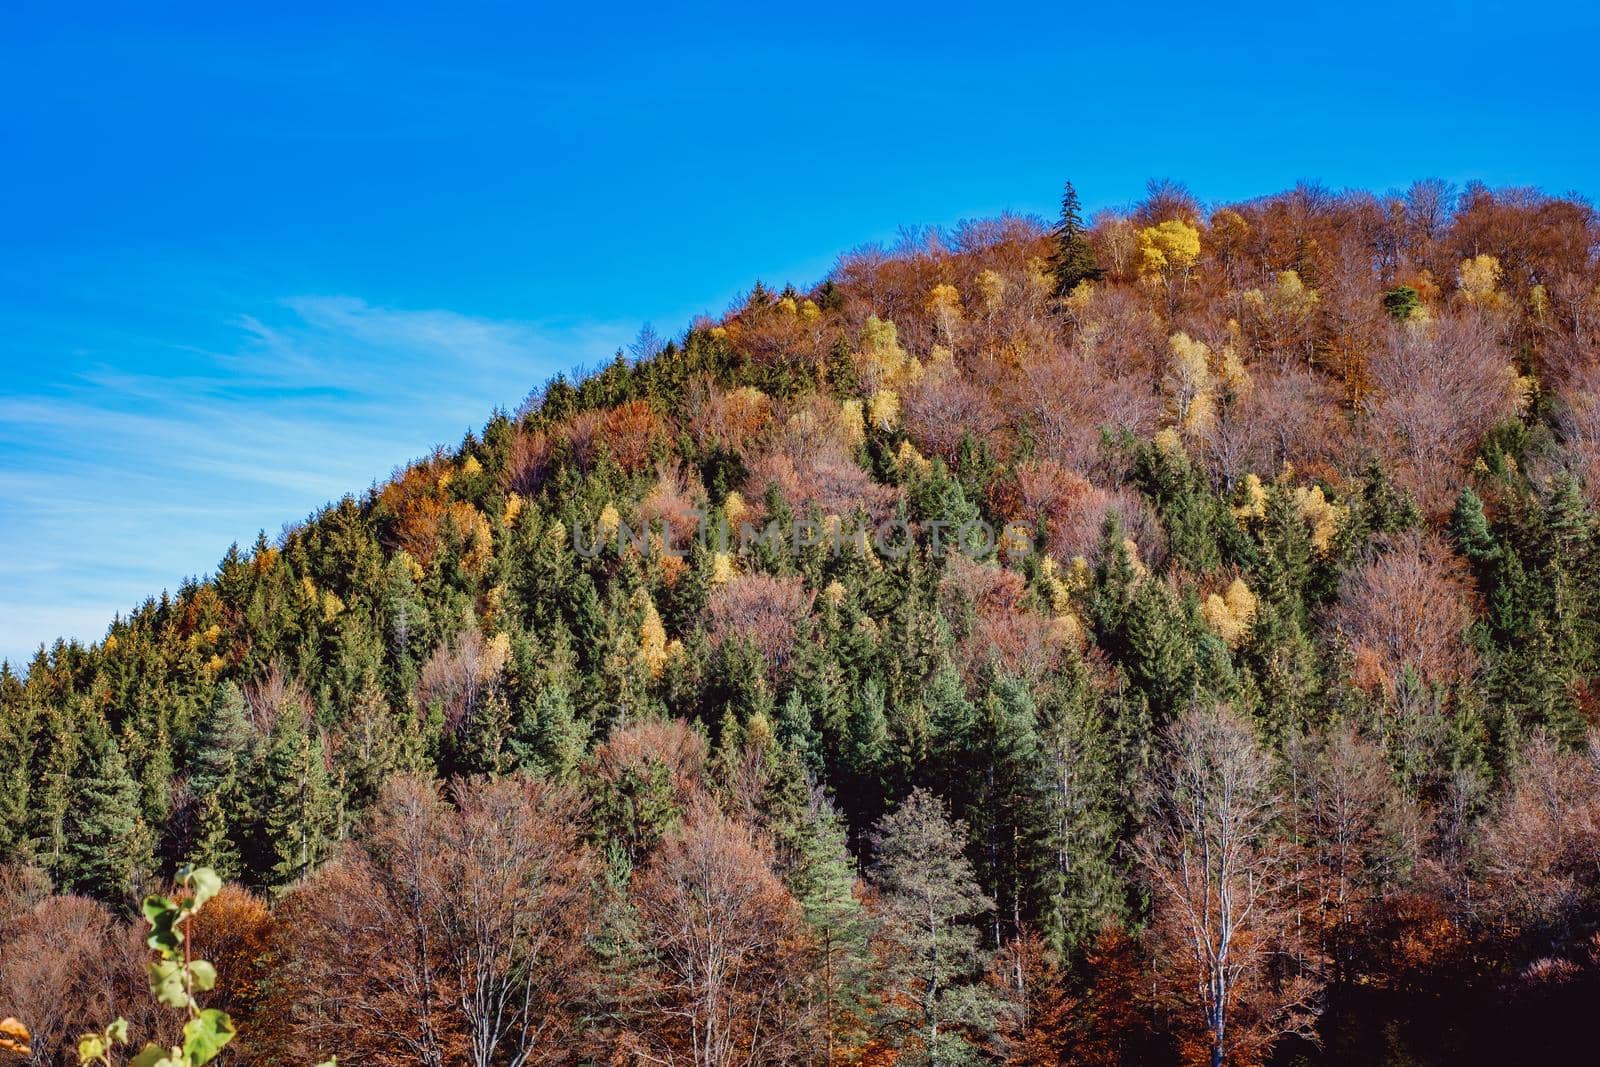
(1470, 529)
(823, 879)
(375, 743)
(1085, 886)
(212, 841)
(928, 899)
(1073, 260)
(109, 849)
(222, 748)
(299, 806)
(1009, 816)
(15, 783)
(864, 761)
(797, 731)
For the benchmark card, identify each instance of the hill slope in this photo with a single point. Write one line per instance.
(1028, 566)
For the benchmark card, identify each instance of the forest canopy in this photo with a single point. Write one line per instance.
(1263, 728)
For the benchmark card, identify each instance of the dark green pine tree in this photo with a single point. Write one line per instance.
(1526, 677)
(1541, 589)
(916, 641)
(1385, 507)
(783, 791)
(797, 731)
(1162, 651)
(1516, 598)
(975, 466)
(407, 626)
(736, 679)
(1116, 577)
(211, 840)
(1073, 260)
(1401, 302)
(374, 744)
(1085, 885)
(953, 723)
(1470, 529)
(15, 783)
(1569, 526)
(153, 757)
(865, 759)
(550, 740)
(1009, 818)
(483, 745)
(1286, 557)
(222, 753)
(222, 747)
(723, 769)
(938, 500)
(822, 877)
(682, 603)
(58, 753)
(632, 811)
(823, 689)
(109, 849)
(1199, 525)
(300, 811)
(1281, 661)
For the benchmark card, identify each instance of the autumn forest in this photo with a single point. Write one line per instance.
(1167, 636)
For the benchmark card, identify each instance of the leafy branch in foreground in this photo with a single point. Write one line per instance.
(175, 977)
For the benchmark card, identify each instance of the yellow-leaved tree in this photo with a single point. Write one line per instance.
(991, 290)
(1284, 313)
(944, 304)
(1231, 612)
(1478, 279)
(1168, 248)
(1190, 386)
(881, 360)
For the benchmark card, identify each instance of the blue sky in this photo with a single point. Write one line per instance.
(256, 256)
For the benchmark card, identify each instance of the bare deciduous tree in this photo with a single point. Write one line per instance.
(66, 965)
(1354, 829)
(724, 936)
(1408, 607)
(1437, 389)
(455, 935)
(1538, 852)
(1220, 878)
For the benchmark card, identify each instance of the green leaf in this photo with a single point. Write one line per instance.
(166, 983)
(204, 883)
(205, 1035)
(153, 1055)
(96, 1046)
(331, 1061)
(203, 974)
(163, 916)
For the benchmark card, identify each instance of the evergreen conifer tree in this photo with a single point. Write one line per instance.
(1470, 529)
(1073, 260)
(300, 811)
(823, 880)
(109, 849)
(1083, 887)
(929, 895)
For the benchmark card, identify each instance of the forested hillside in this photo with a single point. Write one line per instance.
(1166, 637)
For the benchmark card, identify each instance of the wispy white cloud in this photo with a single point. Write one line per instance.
(120, 480)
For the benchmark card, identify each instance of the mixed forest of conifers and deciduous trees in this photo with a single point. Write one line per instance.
(1265, 730)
